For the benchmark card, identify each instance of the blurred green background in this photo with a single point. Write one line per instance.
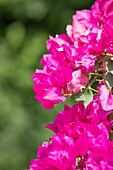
(25, 26)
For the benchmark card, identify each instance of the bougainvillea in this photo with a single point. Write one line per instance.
(81, 140)
(75, 62)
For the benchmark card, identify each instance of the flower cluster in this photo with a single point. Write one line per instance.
(90, 37)
(76, 61)
(81, 140)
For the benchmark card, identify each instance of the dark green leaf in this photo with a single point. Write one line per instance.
(110, 66)
(104, 58)
(97, 64)
(109, 78)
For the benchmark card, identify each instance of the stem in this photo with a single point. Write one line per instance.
(68, 95)
(98, 80)
(95, 94)
(100, 69)
(93, 89)
(104, 65)
(109, 55)
(97, 74)
(92, 81)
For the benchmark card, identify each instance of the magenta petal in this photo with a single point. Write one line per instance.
(54, 95)
(106, 99)
(79, 81)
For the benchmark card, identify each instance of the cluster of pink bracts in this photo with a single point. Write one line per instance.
(81, 139)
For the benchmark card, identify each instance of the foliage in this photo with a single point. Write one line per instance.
(64, 74)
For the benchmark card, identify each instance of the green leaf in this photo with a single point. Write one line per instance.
(108, 85)
(97, 64)
(88, 94)
(104, 58)
(87, 97)
(109, 78)
(110, 66)
(79, 96)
